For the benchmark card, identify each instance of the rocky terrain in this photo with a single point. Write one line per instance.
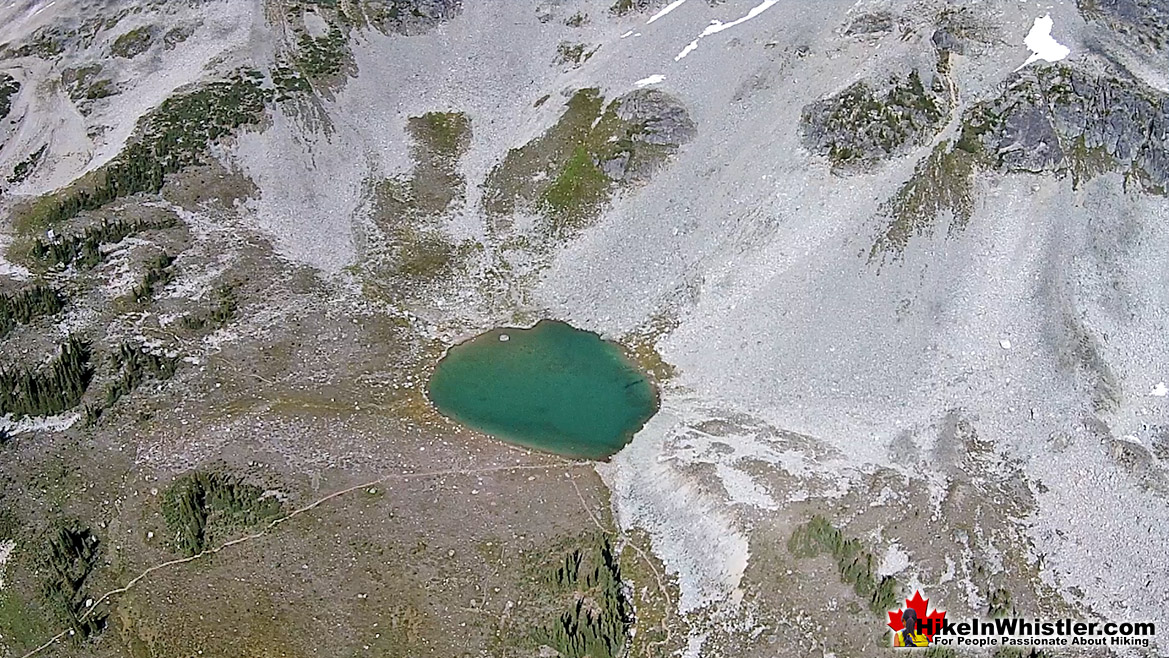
(903, 297)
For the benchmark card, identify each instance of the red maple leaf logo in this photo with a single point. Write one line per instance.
(930, 622)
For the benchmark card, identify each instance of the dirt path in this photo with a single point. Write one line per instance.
(301, 510)
(666, 628)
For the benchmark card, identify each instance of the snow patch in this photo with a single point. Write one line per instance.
(895, 561)
(1041, 44)
(742, 489)
(40, 424)
(689, 528)
(6, 548)
(717, 26)
(665, 10)
(654, 79)
(1159, 390)
(11, 269)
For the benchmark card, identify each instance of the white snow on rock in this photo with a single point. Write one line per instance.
(691, 531)
(1005, 343)
(1159, 390)
(742, 489)
(11, 269)
(6, 548)
(665, 10)
(717, 26)
(1041, 44)
(39, 424)
(654, 79)
(895, 561)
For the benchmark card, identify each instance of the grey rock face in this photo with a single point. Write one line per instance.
(656, 125)
(1052, 119)
(8, 88)
(622, 7)
(1145, 20)
(863, 125)
(663, 118)
(1029, 142)
(411, 17)
(875, 23)
(945, 40)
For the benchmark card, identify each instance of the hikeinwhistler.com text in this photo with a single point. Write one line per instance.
(1016, 631)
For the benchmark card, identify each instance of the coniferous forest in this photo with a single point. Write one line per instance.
(70, 556)
(203, 502)
(51, 389)
(597, 621)
(24, 306)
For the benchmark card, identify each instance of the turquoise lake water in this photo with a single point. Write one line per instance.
(552, 387)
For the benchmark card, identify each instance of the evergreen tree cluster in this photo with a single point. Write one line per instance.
(133, 365)
(857, 566)
(69, 558)
(217, 316)
(25, 167)
(202, 501)
(157, 273)
(324, 56)
(24, 306)
(51, 389)
(83, 250)
(597, 621)
(171, 137)
(9, 86)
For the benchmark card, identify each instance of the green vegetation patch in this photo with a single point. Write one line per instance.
(623, 7)
(27, 305)
(158, 272)
(202, 505)
(67, 561)
(45, 43)
(133, 43)
(423, 255)
(580, 188)
(857, 566)
(222, 311)
(569, 173)
(176, 35)
(50, 389)
(83, 250)
(861, 125)
(597, 616)
(84, 83)
(1087, 162)
(9, 87)
(25, 167)
(942, 182)
(135, 365)
(172, 137)
(408, 208)
(322, 57)
(440, 139)
(574, 54)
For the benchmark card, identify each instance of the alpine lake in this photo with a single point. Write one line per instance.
(552, 388)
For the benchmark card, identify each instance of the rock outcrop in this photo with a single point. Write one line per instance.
(1061, 119)
(866, 124)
